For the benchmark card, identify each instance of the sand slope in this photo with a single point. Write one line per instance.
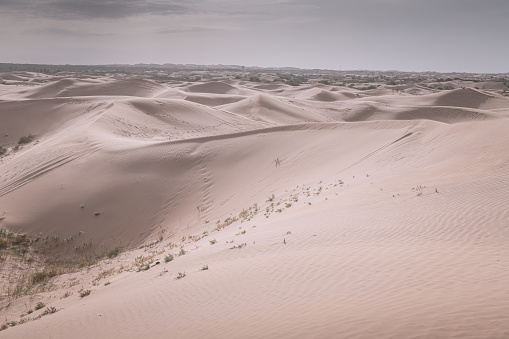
(318, 214)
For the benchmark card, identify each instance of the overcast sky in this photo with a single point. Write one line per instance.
(412, 35)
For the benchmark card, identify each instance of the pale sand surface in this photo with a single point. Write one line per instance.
(393, 216)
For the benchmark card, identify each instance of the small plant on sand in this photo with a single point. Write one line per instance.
(66, 295)
(97, 213)
(3, 150)
(50, 310)
(168, 258)
(213, 241)
(39, 305)
(143, 267)
(107, 283)
(84, 293)
(114, 252)
(205, 267)
(26, 139)
(239, 246)
(182, 252)
(181, 275)
(277, 162)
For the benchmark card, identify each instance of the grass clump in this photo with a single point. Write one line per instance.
(180, 275)
(26, 139)
(43, 276)
(39, 305)
(66, 295)
(114, 252)
(3, 150)
(50, 310)
(168, 258)
(84, 293)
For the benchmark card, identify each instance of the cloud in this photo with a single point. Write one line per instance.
(64, 32)
(95, 9)
(187, 30)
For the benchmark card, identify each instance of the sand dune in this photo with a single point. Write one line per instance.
(77, 88)
(289, 211)
(215, 87)
(262, 107)
(214, 100)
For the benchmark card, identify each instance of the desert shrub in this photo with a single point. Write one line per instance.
(84, 293)
(39, 277)
(21, 239)
(26, 139)
(39, 305)
(114, 252)
(3, 150)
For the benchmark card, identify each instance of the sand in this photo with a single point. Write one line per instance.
(359, 215)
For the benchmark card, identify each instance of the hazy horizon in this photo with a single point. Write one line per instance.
(441, 36)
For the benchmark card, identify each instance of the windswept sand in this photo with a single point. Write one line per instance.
(389, 218)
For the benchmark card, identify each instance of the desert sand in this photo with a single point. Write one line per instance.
(310, 211)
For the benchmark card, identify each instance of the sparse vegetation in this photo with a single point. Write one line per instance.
(50, 310)
(168, 258)
(39, 305)
(84, 293)
(66, 295)
(43, 276)
(3, 150)
(26, 139)
(180, 275)
(114, 252)
(205, 267)
(213, 241)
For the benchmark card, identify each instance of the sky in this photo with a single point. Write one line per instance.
(406, 35)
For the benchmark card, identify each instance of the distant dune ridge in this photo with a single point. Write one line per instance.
(287, 211)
